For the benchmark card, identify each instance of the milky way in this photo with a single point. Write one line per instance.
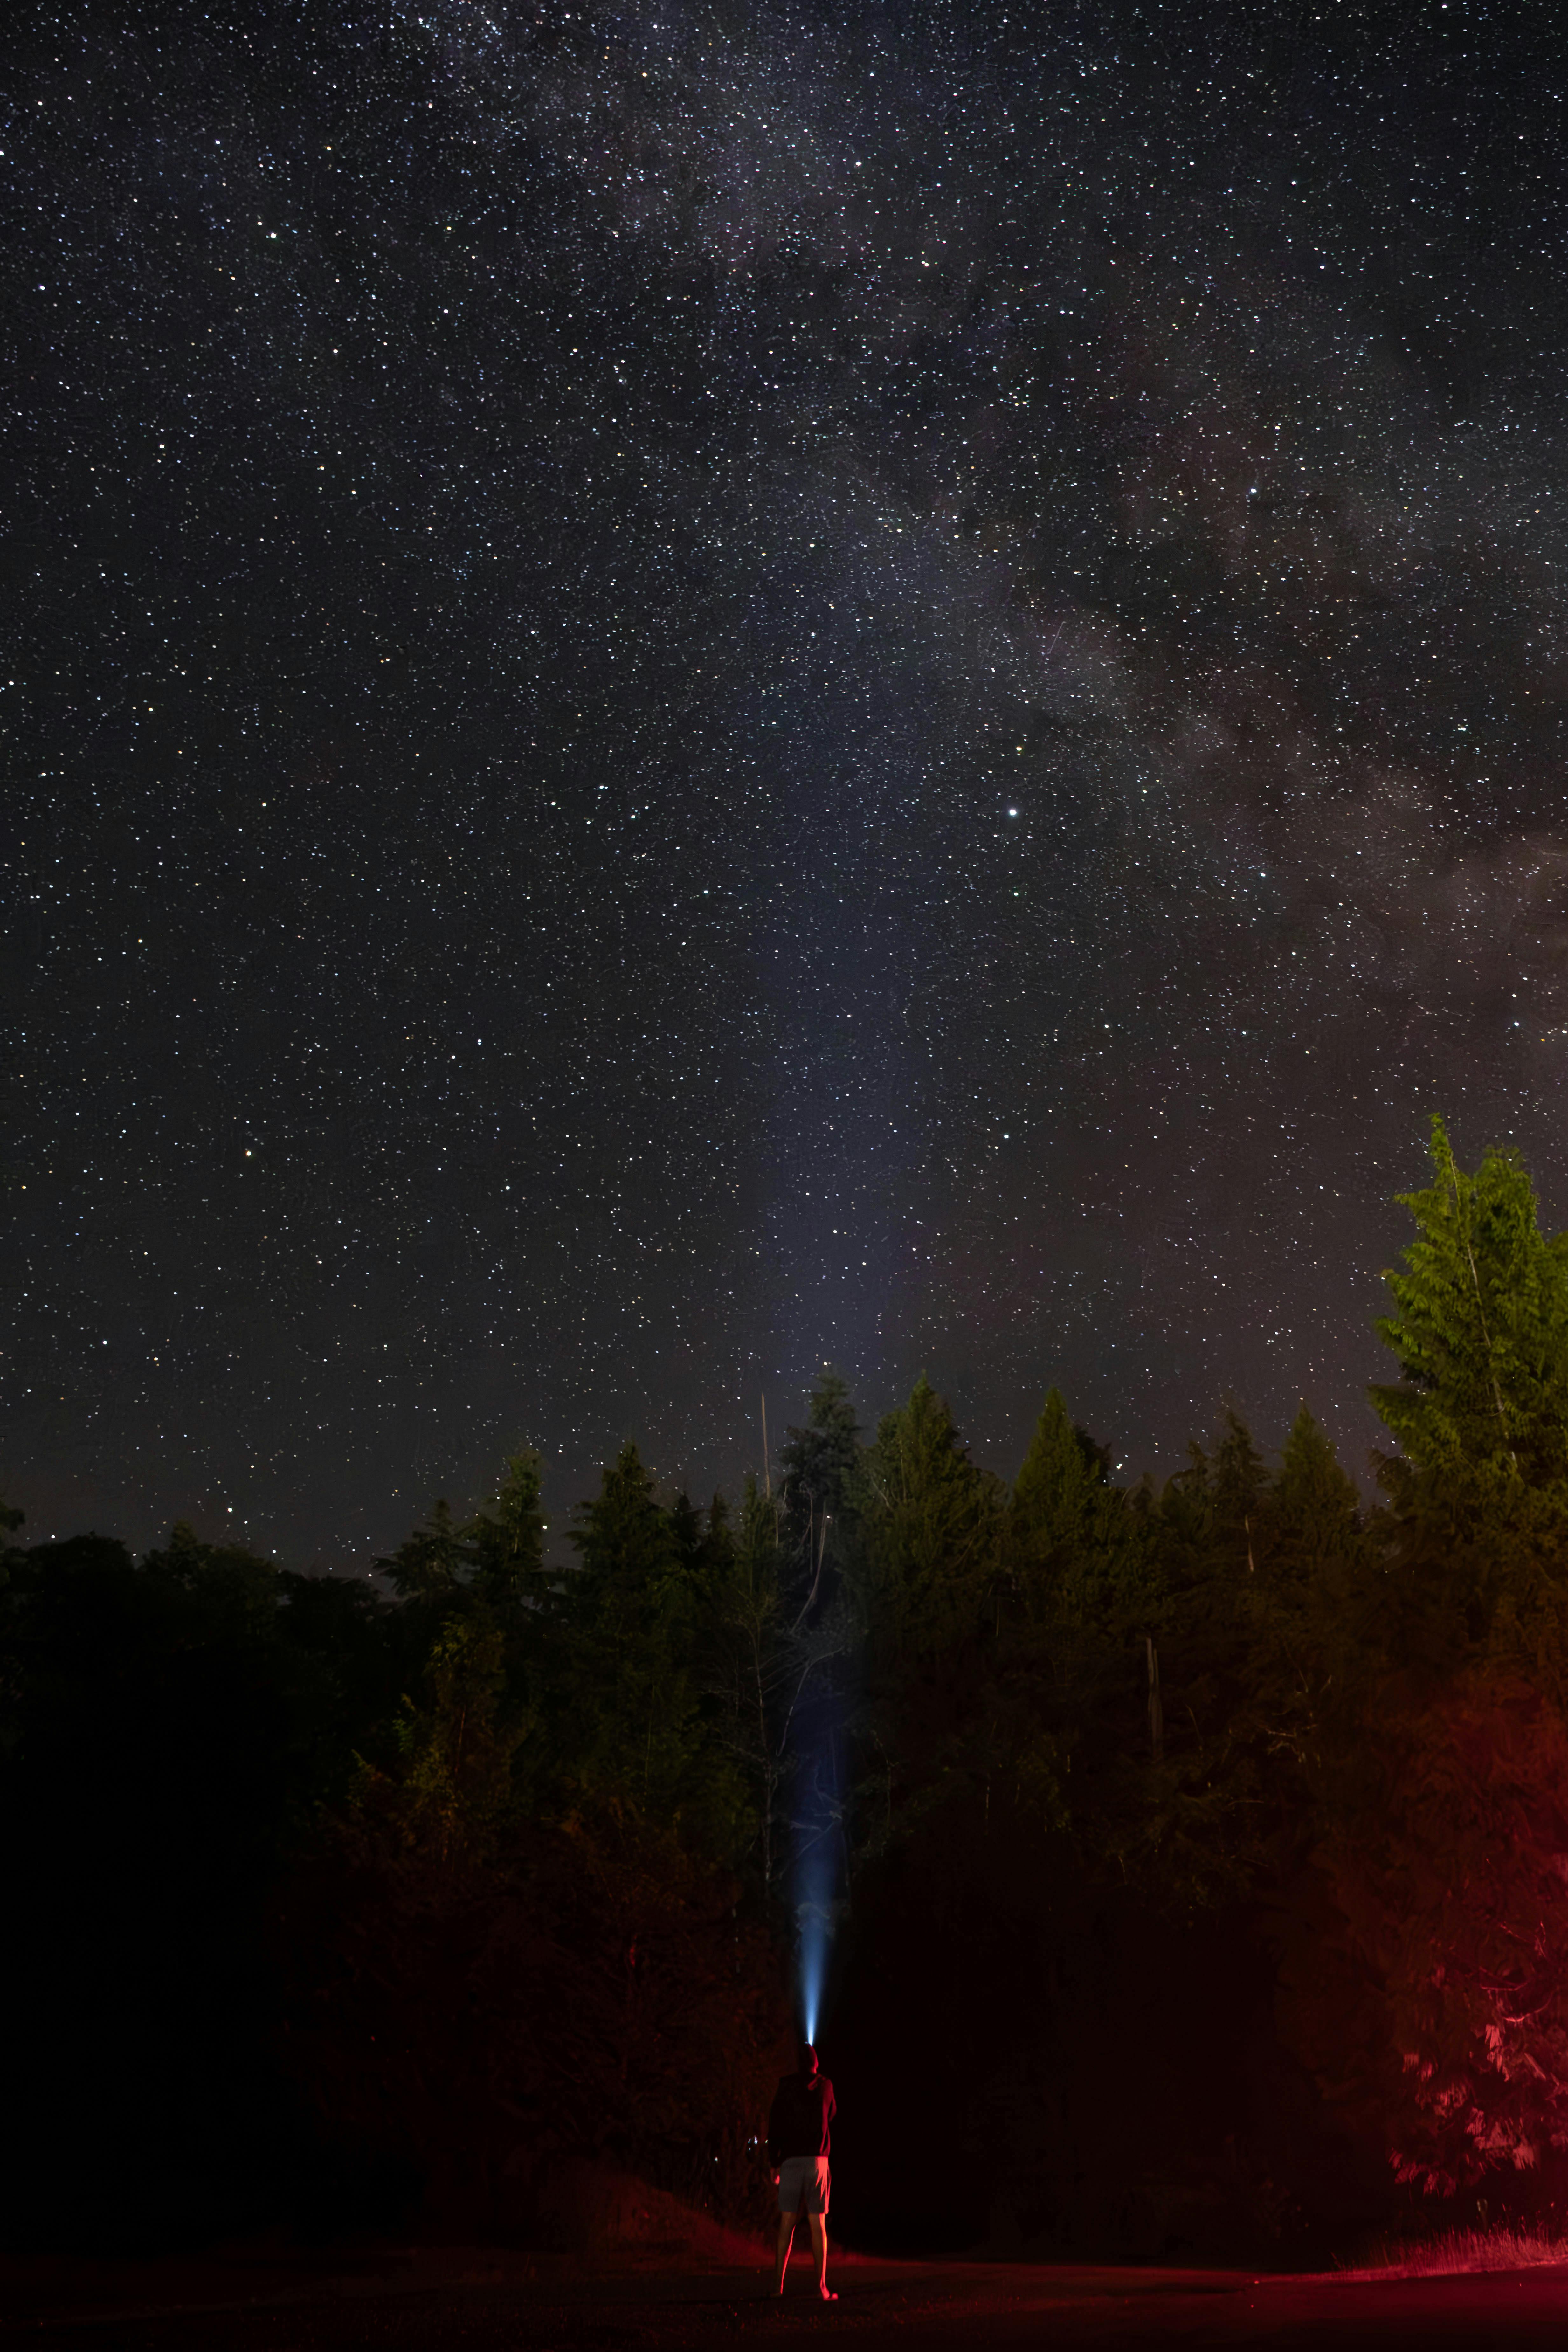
(702, 690)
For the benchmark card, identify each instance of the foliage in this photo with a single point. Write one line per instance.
(173, 1729)
(520, 1821)
(1446, 1943)
(478, 2006)
(932, 1518)
(1481, 1330)
(821, 1463)
(1439, 1793)
(534, 1906)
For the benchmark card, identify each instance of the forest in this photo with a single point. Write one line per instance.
(1189, 1859)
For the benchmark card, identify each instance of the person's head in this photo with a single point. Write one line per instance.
(807, 2061)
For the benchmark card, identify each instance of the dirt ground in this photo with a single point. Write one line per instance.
(450, 2301)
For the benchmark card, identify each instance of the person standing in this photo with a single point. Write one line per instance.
(800, 2140)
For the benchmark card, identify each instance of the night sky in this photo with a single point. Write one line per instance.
(704, 688)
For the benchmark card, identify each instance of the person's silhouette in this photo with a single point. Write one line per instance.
(800, 2140)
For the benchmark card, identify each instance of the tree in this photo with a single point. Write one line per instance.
(172, 1733)
(630, 1720)
(1481, 1328)
(1057, 1508)
(931, 1521)
(1436, 2003)
(522, 1938)
(457, 1749)
(431, 1565)
(1171, 1762)
(819, 1493)
(1311, 1601)
(505, 1541)
(1433, 2001)
(821, 1461)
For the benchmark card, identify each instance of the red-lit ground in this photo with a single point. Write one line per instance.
(452, 2302)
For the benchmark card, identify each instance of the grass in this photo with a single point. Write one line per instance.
(1498, 2248)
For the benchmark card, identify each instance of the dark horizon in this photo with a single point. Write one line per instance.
(721, 1465)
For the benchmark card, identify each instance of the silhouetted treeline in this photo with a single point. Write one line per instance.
(1196, 1855)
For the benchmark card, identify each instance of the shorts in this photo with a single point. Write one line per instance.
(804, 2183)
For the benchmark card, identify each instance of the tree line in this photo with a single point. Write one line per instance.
(352, 1902)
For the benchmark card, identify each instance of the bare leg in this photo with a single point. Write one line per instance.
(787, 2231)
(819, 2249)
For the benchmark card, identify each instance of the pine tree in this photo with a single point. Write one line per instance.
(1435, 1999)
(821, 1463)
(751, 1659)
(626, 1544)
(932, 1522)
(1315, 1504)
(430, 1565)
(1318, 1575)
(1313, 1586)
(1056, 1497)
(1481, 1329)
(636, 1726)
(505, 1542)
(457, 1749)
(821, 1460)
(1073, 1548)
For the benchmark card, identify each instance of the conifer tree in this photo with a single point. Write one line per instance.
(1315, 1504)
(627, 1610)
(932, 1519)
(431, 1564)
(1315, 1589)
(1481, 1328)
(458, 1749)
(635, 1724)
(505, 1541)
(627, 1543)
(1435, 2000)
(817, 1525)
(1057, 1512)
(1074, 1551)
(752, 1658)
(821, 1460)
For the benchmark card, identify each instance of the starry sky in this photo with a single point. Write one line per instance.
(702, 687)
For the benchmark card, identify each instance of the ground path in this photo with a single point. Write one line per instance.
(451, 2301)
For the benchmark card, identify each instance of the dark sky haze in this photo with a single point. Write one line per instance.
(702, 687)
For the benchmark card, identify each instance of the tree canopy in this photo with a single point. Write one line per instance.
(496, 1855)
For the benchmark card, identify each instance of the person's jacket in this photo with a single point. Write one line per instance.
(801, 2117)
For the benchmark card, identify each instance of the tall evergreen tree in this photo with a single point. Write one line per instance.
(820, 1460)
(1311, 1603)
(628, 1610)
(1316, 1508)
(1058, 1498)
(1480, 1329)
(1072, 1546)
(458, 1747)
(636, 1724)
(931, 1524)
(431, 1565)
(819, 1494)
(505, 1541)
(750, 1666)
(1434, 2002)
